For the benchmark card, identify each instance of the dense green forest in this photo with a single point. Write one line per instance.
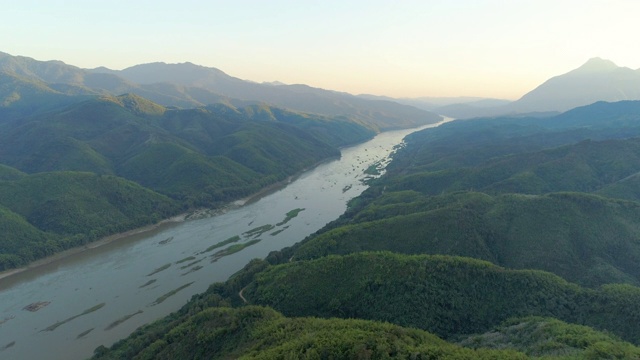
(448, 296)
(584, 238)
(45, 213)
(512, 235)
(29, 87)
(107, 164)
(261, 333)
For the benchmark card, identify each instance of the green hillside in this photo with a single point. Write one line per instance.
(449, 296)
(46, 213)
(188, 85)
(513, 196)
(465, 189)
(198, 156)
(337, 131)
(22, 96)
(100, 166)
(587, 166)
(20, 239)
(583, 238)
(261, 333)
(548, 337)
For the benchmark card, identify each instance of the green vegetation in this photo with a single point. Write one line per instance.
(461, 225)
(255, 232)
(230, 240)
(337, 131)
(107, 164)
(279, 230)
(84, 333)
(45, 213)
(193, 269)
(161, 268)
(373, 169)
(261, 333)
(583, 238)
(233, 249)
(60, 323)
(166, 241)
(164, 297)
(190, 264)
(189, 258)
(122, 319)
(290, 215)
(449, 296)
(537, 336)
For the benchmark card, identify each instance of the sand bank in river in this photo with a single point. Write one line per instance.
(196, 214)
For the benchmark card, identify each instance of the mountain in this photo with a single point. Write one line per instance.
(585, 239)
(261, 333)
(188, 85)
(381, 297)
(45, 213)
(375, 114)
(58, 73)
(72, 81)
(521, 193)
(596, 80)
(109, 164)
(476, 212)
(488, 107)
(448, 296)
(456, 107)
(24, 96)
(145, 142)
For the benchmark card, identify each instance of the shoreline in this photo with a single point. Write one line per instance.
(190, 215)
(92, 245)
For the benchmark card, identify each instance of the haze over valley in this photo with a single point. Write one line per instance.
(441, 180)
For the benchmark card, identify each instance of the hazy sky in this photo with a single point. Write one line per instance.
(488, 48)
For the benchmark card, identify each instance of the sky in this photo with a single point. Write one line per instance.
(428, 48)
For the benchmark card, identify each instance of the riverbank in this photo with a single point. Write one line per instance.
(118, 274)
(92, 245)
(190, 215)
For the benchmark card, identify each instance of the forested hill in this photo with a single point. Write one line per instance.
(511, 234)
(109, 164)
(519, 193)
(29, 86)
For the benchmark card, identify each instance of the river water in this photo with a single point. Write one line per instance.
(101, 295)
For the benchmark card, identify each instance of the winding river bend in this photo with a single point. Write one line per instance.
(66, 308)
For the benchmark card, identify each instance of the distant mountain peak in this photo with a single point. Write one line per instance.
(596, 80)
(597, 64)
(273, 83)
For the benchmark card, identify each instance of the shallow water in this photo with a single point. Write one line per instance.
(121, 275)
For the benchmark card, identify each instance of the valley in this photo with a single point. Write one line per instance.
(476, 226)
(147, 275)
(174, 211)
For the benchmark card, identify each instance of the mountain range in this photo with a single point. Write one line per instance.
(190, 85)
(187, 85)
(596, 80)
(512, 235)
(508, 237)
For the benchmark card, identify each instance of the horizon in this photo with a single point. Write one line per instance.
(488, 49)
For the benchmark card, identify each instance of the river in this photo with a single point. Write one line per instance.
(100, 295)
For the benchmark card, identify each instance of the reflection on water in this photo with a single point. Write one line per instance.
(101, 295)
